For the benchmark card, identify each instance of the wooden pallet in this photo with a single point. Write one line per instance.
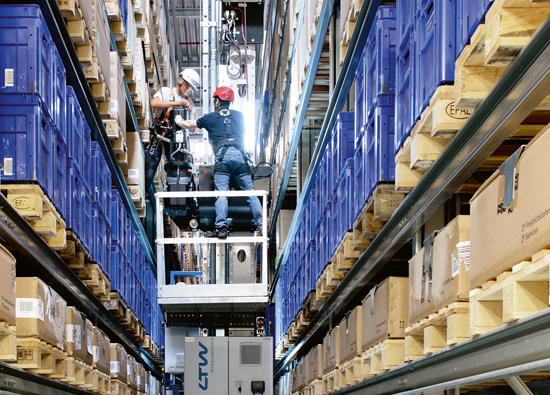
(8, 343)
(32, 204)
(311, 305)
(315, 388)
(75, 255)
(493, 46)
(152, 349)
(79, 374)
(446, 327)
(330, 381)
(513, 295)
(40, 357)
(280, 351)
(345, 256)
(103, 381)
(322, 290)
(116, 305)
(385, 355)
(350, 372)
(97, 282)
(118, 387)
(378, 209)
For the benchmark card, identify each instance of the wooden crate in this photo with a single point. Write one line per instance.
(79, 374)
(8, 343)
(331, 381)
(350, 372)
(40, 357)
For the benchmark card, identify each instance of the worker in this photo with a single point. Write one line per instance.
(226, 135)
(162, 102)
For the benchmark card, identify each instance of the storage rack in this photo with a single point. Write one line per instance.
(17, 232)
(508, 350)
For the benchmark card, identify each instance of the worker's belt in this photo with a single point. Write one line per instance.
(221, 167)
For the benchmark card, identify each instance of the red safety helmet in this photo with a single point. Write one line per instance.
(224, 93)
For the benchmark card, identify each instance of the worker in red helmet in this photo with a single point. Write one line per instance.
(226, 135)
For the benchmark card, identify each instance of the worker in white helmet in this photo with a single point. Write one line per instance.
(162, 102)
(176, 97)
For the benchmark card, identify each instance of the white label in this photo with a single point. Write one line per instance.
(8, 166)
(98, 41)
(90, 341)
(115, 367)
(133, 173)
(464, 253)
(78, 337)
(114, 106)
(70, 333)
(455, 265)
(30, 308)
(138, 380)
(8, 77)
(96, 354)
(129, 370)
(190, 340)
(146, 387)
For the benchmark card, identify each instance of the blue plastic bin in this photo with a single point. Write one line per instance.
(435, 33)
(100, 179)
(78, 208)
(27, 141)
(406, 12)
(343, 142)
(78, 137)
(101, 239)
(359, 178)
(405, 109)
(59, 106)
(469, 14)
(117, 269)
(345, 199)
(380, 60)
(380, 155)
(117, 219)
(60, 178)
(26, 53)
(360, 97)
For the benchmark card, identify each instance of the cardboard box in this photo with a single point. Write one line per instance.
(350, 335)
(131, 377)
(450, 258)
(102, 351)
(102, 40)
(134, 172)
(40, 312)
(299, 376)
(119, 361)
(331, 350)
(79, 336)
(314, 361)
(140, 379)
(385, 311)
(502, 237)
(118, 93)
(7, 286)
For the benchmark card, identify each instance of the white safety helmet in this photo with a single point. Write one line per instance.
(192, 77)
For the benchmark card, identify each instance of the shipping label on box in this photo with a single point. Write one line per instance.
(438, 273)
(503, 235)
(385, 311)
(78, 331)
(40, 312)
(119, 360)
(102, 351)
(7, 286)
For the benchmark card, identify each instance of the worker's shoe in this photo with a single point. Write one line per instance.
(219, 233)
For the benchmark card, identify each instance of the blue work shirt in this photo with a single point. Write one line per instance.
(213, 123)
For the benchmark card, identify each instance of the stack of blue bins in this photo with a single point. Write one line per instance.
(405, 115)
(469, 14)
(100, 185)
(78, 208)
(435, 35)
(33, 129)
(118, 232)
(374, 154)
